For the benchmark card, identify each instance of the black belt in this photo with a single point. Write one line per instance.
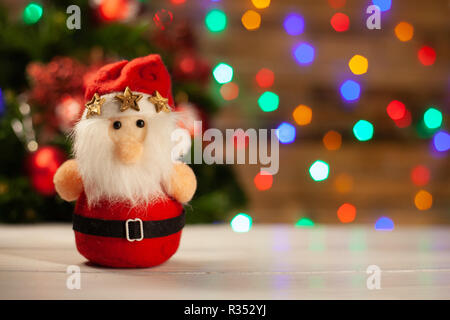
(131, 229)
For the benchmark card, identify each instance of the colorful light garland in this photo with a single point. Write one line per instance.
(332, 140)
(404, 31)
(251, 20)
(268, 101)
(363, 130)
(263, 181)
(396, 110)
(261, 4)
(441, 141)
(426, 55)
(304, 53)
(265, 78)
(32, 13)
(223, 73)
(384, 5)
(286, 133)
(319, 170)
(432, 118)
(346, 213)
(304, 223)
(229, 91)
(241, 223)
(420, 175)
(423, 200)
(302, 115)
(384, 224)
(216, 20)
(358, 64)
(340, 22)
(294, 24)
(350, 90)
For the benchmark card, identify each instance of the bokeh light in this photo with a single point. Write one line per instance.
(384, 5)
(404, 31)
(187, 64)
(384, 224)
(304, 223)
(268, 101)
(336, 3)
(178, 1)
(2, 103)
(251, 20)
(332, 140)
(346, 213)
(441, 141)
(358, 64)
(163, 18)
(319, 170)
(265, 78)
(286, 133)
(426, 55)
(396, 110)
(242, 222)
(263, 181)
(114, 10)
(302, 115)
(240, 139)
(340, 22)
(343, 183)
(405, 121)
(363, 130)
(46, 157)
(216, 20)
(350, 90)
(423, 200)
(223, 73)
(420, 175)
(229, 91)
(304, 53)
(294, 24)
(432, 118)
(261, 4)
(32, 13)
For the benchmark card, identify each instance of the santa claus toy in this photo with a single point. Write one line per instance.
(129, 191)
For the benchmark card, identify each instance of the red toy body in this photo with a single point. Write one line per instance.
(123, 152)
(119, 252)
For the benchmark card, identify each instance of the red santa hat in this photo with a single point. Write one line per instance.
(139, 86)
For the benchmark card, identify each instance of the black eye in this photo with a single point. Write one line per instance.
(117, 125)
(140, 123)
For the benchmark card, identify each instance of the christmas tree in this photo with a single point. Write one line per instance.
(45, 57)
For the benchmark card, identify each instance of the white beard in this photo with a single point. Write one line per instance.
(105, 178)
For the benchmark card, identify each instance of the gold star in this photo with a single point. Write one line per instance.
(94, 107)
(160, 102)
(129, 100)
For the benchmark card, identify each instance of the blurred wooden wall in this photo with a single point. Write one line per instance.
(381, 167)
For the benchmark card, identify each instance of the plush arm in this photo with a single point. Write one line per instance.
(67, 180)
(182, 183)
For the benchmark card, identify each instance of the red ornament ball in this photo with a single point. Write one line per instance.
(42, 166)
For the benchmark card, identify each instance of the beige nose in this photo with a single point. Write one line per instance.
(128, 135)
(128, 151)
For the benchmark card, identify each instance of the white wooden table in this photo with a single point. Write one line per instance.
(269, 262)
